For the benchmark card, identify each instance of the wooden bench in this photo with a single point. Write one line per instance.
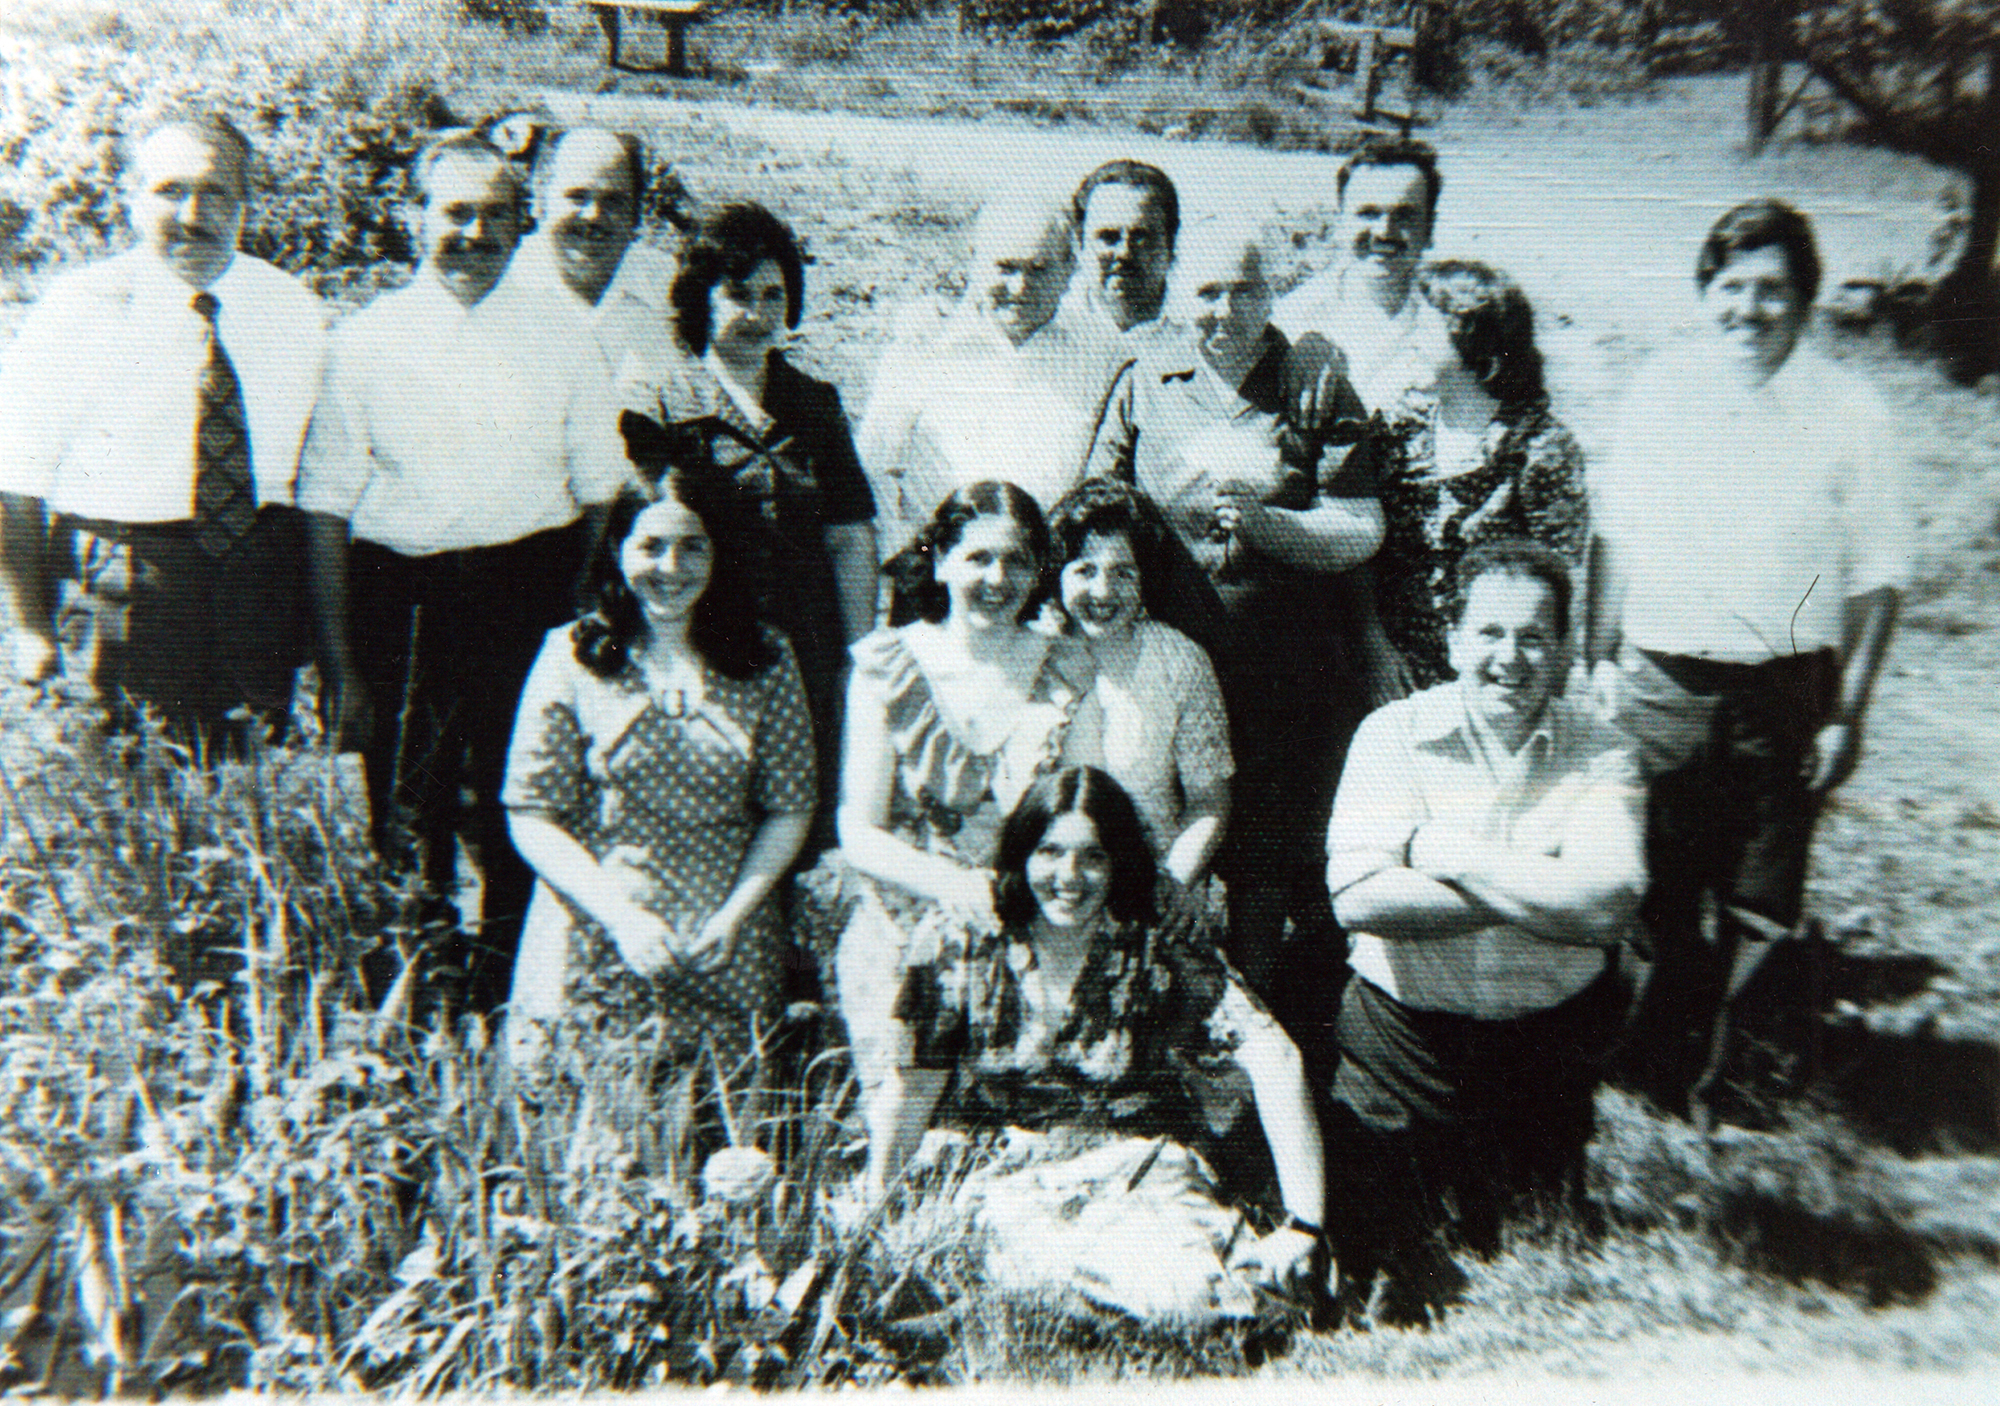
(1374, 48)
(674, 16)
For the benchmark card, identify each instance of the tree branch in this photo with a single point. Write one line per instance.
(1933, 140)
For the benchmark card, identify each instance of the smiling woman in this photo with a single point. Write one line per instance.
(660, 782)
(780, 438)
(950, 717)
(1118, 1058)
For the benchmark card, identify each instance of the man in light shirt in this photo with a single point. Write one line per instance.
(1753, 537)
(992, 387)
(154, 404)
(1486, 854)
(589, 196)
(462, 439)
(1126, 216)
(1391, 342)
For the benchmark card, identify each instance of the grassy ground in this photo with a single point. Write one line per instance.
(1868, 1239)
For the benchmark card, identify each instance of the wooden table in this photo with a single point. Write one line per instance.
(674, 16)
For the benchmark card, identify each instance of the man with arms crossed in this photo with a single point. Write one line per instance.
(1486, 853)
(459, 441)
(1752, 540)
(155, 403)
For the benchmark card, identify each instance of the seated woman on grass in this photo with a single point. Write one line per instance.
(1081, 1017)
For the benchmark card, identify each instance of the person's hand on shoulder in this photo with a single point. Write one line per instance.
(969, 900)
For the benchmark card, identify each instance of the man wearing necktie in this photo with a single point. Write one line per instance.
(152, 410)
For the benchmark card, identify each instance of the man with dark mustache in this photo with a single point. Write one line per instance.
(154, 404)
(1361, 303)
(589, 197)
(461, 439)
(1127, 217)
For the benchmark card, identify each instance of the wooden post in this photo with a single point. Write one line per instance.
(1767, 73)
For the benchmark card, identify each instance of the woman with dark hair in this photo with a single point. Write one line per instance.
(661, 780)
(950, 717)
(1480, 458)
(735, 404)
(1155, 712)
(1080, 1018)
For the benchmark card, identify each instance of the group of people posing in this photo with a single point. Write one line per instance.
(1133, 576)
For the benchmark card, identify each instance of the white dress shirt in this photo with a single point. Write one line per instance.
(100, 389)
(1571, 791)
(442, 427)
(1742, 520)
(1388, 356)
(967, 404)
(633, 317)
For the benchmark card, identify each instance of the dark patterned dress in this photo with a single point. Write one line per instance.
(674, 787)
(1145, 1047)
(1105, 1122)
(1528, 482)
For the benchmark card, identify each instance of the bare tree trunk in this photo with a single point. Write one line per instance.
(1965, 310)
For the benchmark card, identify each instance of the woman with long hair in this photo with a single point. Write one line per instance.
(951, 715)
(1480, 457)
(1080, 1021)
(660, 782)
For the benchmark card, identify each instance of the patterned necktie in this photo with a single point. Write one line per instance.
(225, 494)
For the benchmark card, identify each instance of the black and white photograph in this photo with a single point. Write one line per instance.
(1142, 696)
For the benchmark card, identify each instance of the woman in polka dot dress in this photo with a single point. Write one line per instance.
(660, 782)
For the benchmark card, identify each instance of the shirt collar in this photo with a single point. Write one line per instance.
(1535, 747)
(153, 282)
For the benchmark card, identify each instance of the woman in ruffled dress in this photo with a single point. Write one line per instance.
(950, 716)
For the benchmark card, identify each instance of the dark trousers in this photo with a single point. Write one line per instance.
(444, 644)
(1441, 1124)
(1289, 731)
(151, 618)
(1730, 828)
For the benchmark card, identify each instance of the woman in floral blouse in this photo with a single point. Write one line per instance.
(1079, 1014)
(1481, 458)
